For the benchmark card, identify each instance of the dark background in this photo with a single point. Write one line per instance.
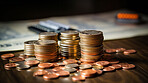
(29, 9)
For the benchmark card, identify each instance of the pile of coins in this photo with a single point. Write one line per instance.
(70, 44)
(48, 36)
(29, 47)
(46, 50)
(91, 43)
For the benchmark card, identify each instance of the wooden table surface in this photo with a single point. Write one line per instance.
(136, 75)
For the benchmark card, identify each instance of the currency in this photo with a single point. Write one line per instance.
(40, 72)
(116, 66)
(78, 78)
(50, 76)
(109, 68)
(70, 44)
(31, 62)
(29, 47)
(130, 51)
(88, 73)
(7, 56)
(62, 73)
(45, 65)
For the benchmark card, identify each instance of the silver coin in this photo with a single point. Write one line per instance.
(85, 66)
(22, 66)
(71, 65)
(31, 58)
(70, 70)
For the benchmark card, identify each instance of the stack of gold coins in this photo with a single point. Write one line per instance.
(91, 43)
(46, 50)
(29, 47)
(70, 44)
(48, 36)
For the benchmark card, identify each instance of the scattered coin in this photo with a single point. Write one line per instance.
(7, 56)
(70, 69)
(70, 61)
(22, 67)
(30, 58)
(110, 50)
(113, 61)
(11, 65)
(120, 49)
(116, 66)
(78, 78)
(131, 51)
(88, 73)
(45, 65)
(128, 66)
(40, 73)
(31, 62)
(99, 72)
(62, 73)
(16, 59)
(109, 68)
(96, 67)
(85, 66)
(71, 65)
(58, 68)
(50, 76)
(60, 63)
(103, 63)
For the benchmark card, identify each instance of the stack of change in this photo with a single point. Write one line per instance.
(91, 43)
(29, 47)
(70, 44)
(46, 50)
(48, 36)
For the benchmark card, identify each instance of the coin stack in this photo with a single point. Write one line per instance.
(91, 43)
(29, 47)
(46, 50)
(48, 36)
(70, 44)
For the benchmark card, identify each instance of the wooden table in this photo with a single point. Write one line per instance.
(136, 75)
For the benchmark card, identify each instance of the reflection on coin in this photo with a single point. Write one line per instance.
(85, 66)
(71, 65)
(70, 70)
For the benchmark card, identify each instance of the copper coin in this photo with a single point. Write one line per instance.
(78, 78)
(40, 73)
(113, 61)
(55, 65)
(62, 73)
(99, 72)
(32, 62)
(70, 61)
(88, 72)
(120, 49)
(58, 68)
(122, 64)
(128, 66)
(87, 61)
(16, 59)
(103, 63)
(45, 65)
(6, 56)
(110, 68)
(50, 76)
(131, 51)
(10, 65)
(110, 50)
(116, 66)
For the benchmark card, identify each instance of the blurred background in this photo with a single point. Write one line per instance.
(33, 9)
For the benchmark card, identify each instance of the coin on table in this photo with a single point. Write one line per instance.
(128, 66)
(70, 61)
(131, 51)
(71, 65)
(99, 72)
(113, 61)
(120, 49)
(58, 68)
(40, 73)
(50, 76)
(30, 58)
(116, 66)
(70, 69)
(60, 63)
(62, 73)
(109, 68)
(88, 73)
(7, 56)
(22, 67)
(32, 62)
(45, 65)
(103, 63)
(85, 66)
(110, 50)
(11, 65)
(96, 67)
(16, 59)
(78, 78)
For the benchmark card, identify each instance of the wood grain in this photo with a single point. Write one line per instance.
(137, 75)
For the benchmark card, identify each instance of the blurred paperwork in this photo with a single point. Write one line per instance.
(13, 34)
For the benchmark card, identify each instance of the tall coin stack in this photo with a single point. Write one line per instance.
(46, 50)
(29, 47)
(91, 43)
(70, 44)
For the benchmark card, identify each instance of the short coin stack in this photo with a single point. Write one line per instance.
(48, 36)
(70, 44)
(46, 50)
(91, 43)
(29, 47)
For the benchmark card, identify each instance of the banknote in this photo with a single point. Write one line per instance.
(13, 34)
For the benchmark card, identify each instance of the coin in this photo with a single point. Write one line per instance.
(131, 51)
(99, 72)
(97, 67)
(103, 63)
(87, 60)
(70, 61)
(116, 66)
(40, 73)
(7, 56)
(62, 73)
(31, 62)
(120, 49)
(30, 58)
(128, 66)
(109, 68)
(110, 50)
(113, 61)
(70, 69)
(85, 66)
(50, 76)
(88, 73)
(78, 78)
(71, 65)
(11, 65)
(22, 67)
(45, 65)
(16, 59)
(60, 63)
(58, 68)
